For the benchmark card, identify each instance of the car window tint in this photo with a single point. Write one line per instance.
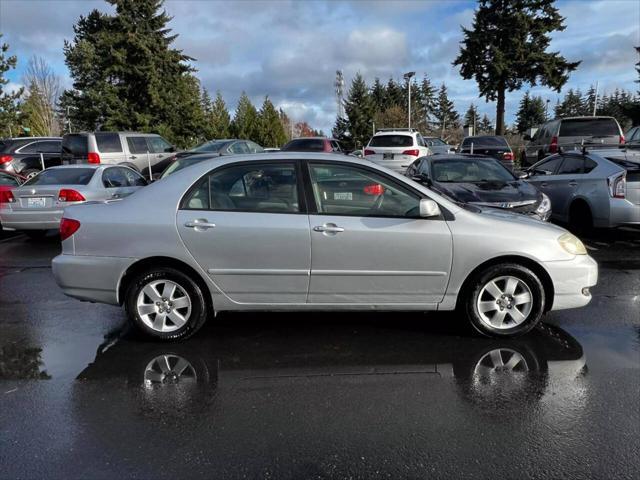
(485, 142)
(588, 127)
(158, 145)
(50, 146)
(108, 142)
(267, 188)
(134, 179)
(76, 145)
(305, 145)
(548, 167)
(571, 165)
(589, 165)
(420, 141)
(347, 190)
(633, 134)
(30, 148)
(391, 141)
(137, 144)
(114, 178)
(62, 176)
(471, 170)
(239, 147)
(212, 146)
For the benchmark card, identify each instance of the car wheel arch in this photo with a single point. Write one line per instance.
(532, 265)
(148, 263)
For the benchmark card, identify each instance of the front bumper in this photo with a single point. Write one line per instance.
(30, 220)
(89, 278)
(572, 280)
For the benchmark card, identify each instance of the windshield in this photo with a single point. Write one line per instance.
(589, 127)
(391, 141)
(62, 176)
(183, 163)
(484, 142)
(474, 171)
(212, 146)
(434, 141)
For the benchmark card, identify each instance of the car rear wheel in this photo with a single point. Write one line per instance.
(166, 304)
(505, 300)
(580, 218)
(29, 173)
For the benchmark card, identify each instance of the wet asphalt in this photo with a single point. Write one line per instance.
(291, 396)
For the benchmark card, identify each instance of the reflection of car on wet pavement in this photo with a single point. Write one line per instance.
(304, 231)
(187, 375)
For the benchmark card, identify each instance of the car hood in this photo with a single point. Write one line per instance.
(512, 192)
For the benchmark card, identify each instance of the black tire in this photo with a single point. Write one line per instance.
(580, 219)
(35, 234)
(469, 305)
(198, 305)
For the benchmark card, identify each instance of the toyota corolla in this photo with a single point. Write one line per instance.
(304, 231)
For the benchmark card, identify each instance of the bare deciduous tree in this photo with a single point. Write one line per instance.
(43, 91)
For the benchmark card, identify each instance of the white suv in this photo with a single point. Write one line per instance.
(396, 148)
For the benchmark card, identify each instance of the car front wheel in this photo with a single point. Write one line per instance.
(166, 304)
(505, 300)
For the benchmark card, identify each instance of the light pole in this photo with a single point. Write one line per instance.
(546, 110)
(407, 77)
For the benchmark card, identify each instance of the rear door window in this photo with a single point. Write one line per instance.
(158, 145)
(62, 176)
(572, 165)
(586, 127)
(108, 142)
(137, 144)
(114, 178)
(548, 167)
(75, 145)
(391, 141)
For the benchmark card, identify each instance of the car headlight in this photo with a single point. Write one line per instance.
(572, 244)
(545, 205)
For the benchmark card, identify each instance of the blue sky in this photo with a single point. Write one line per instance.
(290, 50)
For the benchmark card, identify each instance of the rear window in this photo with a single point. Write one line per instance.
(62, 176)
(391, 141)
(305, 145)
(74, 144)
(589, 127)
(484, 142)
(632, 168)
(108, 142)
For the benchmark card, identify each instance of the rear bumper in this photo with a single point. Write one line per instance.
(572, 280)
(89, 278)
(399, 166)
(623, 212)
(26, 220)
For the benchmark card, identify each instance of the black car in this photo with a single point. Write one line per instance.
(481, 181)
(25, 155)
(492, 145)
(313, 144)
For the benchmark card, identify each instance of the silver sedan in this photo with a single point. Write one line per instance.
(303, 231)
(38, 205)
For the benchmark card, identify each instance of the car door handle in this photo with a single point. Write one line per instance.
(132, 157)
(328, 228)
(573, 183)
(544, 184)
(115, 195)
(200, 224)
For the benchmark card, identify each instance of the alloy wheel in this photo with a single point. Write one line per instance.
(504, 302)
(163, 305)
(168, 369)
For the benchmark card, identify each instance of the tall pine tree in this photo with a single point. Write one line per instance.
(220, 118)
(472, 118)
(445, 112)
(530, 113)
(245, 123)
(270, 128)
(507, 47)
(360, 110)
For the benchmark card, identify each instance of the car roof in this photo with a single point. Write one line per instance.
(484, 136)
(584, 117)
(311, 138)
(459, 157)
(84, 165)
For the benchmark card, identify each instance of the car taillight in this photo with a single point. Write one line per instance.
(375, 189)
(553, 146)
(93, 157)
(507, 156)
(68, 227)
(414, 152)
(69, 195)
(618, 185)
(6, 196)
(369, 152)
(5, 158)
(622, 140)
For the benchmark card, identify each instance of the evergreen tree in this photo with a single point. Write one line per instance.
(485, 127)
(379, 95)
(245, 123)
(286, 124)
(571, 106)
(360, 109)
(220, 118)
(8, 101)
(472, 118)
(428, 98)
(127, 76)
(445, 112)
(394, 94)
(271, 132)
(530, 113)
(507, 47)
(589, 101)
(341, 133)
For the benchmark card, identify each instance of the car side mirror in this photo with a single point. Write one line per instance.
(429, 208)
(421, 178)
(524, 174)
(170, 149)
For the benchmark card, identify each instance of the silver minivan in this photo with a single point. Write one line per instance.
(140, 151)
(564, 134)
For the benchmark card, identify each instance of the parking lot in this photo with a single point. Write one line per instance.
(317, 395)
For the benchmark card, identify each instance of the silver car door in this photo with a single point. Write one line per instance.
(369, 246)
(247, 228)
